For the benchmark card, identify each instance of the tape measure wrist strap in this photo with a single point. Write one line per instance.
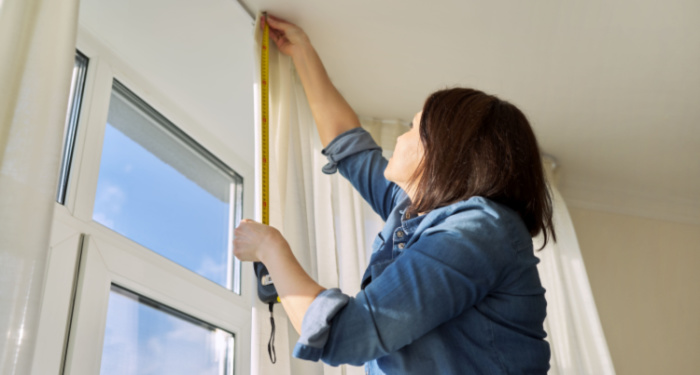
(271, 343)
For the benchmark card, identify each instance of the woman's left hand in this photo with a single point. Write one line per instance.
(252, 241)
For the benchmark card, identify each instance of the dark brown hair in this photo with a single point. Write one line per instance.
(478, 145)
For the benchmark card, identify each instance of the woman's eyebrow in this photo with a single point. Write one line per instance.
(410, 125)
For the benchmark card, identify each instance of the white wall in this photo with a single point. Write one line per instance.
(644, 276)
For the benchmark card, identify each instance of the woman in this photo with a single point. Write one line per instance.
(452, 286)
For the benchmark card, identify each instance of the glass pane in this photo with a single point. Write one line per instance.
(72, 114)
(143, 337)
(162, 190)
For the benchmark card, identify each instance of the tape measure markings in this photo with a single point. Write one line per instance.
(264, 71)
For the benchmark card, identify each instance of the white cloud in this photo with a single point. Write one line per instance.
(109, 202)
(212, 269)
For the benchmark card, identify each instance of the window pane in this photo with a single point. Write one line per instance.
(159, 188)
(71, 127)
(144, 337)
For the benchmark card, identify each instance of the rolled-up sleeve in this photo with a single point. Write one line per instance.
(316, 324)
(359, 159)
(346, 144)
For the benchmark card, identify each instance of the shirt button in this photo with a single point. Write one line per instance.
(408, 216)
(399, 234)
(402, 245)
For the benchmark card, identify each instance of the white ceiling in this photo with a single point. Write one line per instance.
(611, 88)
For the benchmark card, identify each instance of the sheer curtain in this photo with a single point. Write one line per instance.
(37, 50)
(573, 326)
(330, 229)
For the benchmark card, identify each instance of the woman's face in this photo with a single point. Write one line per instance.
(407, 154)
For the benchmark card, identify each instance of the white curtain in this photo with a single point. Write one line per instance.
(573, 326)
(37, 50)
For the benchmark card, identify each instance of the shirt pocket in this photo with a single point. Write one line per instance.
(379, 267)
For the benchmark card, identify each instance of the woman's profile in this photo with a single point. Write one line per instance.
(452, 285)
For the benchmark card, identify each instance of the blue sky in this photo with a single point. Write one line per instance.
(142, 340)
(148, 201)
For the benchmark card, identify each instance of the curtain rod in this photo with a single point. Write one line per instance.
(246, 9)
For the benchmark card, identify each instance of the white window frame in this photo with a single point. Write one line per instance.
(72, 117)
(85, 257)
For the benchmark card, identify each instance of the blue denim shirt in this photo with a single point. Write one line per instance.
(455, 291)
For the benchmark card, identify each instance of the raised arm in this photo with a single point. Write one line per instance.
(332, 113)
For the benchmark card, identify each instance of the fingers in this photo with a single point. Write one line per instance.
(277, 23)
(276, 35)
(277, 27)
(243, 226)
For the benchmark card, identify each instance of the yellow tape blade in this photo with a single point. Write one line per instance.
(264, 70)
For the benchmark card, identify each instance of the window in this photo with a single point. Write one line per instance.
(160, 199)
(71, 127)
(145, 337)
(161, 189)
(141, 237)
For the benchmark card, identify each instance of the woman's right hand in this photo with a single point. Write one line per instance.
(332, 114)
(288, 37)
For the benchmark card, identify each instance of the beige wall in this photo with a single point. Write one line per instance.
(645, 276)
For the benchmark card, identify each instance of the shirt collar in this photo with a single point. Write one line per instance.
(410, 223)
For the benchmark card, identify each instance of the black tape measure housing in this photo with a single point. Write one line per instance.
(266, 290)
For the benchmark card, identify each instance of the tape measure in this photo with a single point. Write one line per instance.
(265, 109)
(266, 288)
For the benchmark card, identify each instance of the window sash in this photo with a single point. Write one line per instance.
(127, 337)
(104, 263)
(144, 125)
